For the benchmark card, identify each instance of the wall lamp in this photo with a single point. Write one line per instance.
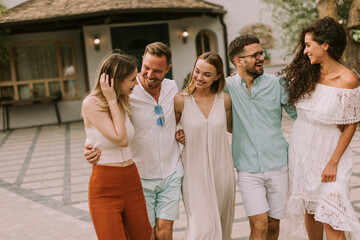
(184, 36)
(97, 43)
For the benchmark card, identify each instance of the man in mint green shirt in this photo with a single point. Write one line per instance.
(259, 148)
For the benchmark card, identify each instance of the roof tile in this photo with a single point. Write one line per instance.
(48, 9)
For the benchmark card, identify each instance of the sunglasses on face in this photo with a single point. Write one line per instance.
(161, 120)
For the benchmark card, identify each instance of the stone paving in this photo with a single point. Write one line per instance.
(44, 181)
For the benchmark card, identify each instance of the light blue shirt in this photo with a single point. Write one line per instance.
(258, 144)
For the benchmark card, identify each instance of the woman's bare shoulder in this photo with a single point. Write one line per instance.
(90, 103)
(227, 100)
(227, 96)
(179, 98)
(348, 79)
(89, 100)
(181, 94)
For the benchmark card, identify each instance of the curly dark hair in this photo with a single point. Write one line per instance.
(301, 77)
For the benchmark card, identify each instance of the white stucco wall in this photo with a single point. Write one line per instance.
(184, 54)
(94, 57)
(243, 12)
(11, 3)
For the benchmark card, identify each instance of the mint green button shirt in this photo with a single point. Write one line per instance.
(258, 144)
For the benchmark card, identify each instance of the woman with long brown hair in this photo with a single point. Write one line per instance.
(209, 183)
(116, 200)
(325, 94)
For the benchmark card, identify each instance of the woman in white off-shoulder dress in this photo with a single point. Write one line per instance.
(327, 99)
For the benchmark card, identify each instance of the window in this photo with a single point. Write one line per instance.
(204, 42)
(40, 69)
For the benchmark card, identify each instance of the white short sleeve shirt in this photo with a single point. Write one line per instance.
(154, 148)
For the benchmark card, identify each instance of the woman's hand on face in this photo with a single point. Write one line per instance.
(180, 136)
(107, 87)
(329, 173)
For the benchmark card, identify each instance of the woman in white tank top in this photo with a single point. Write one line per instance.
(116, 201)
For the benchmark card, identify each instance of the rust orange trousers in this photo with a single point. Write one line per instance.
(117, 204)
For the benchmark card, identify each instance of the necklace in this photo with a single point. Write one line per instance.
(329, 73)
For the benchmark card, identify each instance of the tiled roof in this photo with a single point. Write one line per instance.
(42, 10)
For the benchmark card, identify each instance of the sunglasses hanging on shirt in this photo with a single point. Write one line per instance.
(161, 120)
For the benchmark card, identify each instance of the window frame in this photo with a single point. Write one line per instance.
(210, 36)
(13, 82)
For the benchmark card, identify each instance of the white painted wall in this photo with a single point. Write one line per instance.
(243, 12)
(11, 3)
(42, 114)
(94, 57)
(184, 54)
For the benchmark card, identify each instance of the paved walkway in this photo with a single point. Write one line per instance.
(44, 180)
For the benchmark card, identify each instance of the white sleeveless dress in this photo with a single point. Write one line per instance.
(314, 138)
(209, 182)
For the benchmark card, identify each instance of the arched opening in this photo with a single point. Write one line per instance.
(205, 42)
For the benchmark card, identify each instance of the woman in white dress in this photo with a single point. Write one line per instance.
(209, 183)
(326, 96)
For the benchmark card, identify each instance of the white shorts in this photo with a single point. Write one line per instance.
(264, 192)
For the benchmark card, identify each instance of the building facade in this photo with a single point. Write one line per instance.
(57, 45)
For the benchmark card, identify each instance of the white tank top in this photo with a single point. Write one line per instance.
(110, 152)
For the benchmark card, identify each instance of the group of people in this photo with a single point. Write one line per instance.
(135, 121)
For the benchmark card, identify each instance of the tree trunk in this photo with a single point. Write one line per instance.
(328, 8)
(351, 58)
(354, 15)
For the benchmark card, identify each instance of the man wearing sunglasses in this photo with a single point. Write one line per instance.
(259, 148)
(154, 148)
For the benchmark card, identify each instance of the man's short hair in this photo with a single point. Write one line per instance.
(237, 45)
(159, 49)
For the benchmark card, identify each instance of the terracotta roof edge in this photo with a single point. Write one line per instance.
(106, 12)
(214, 4)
